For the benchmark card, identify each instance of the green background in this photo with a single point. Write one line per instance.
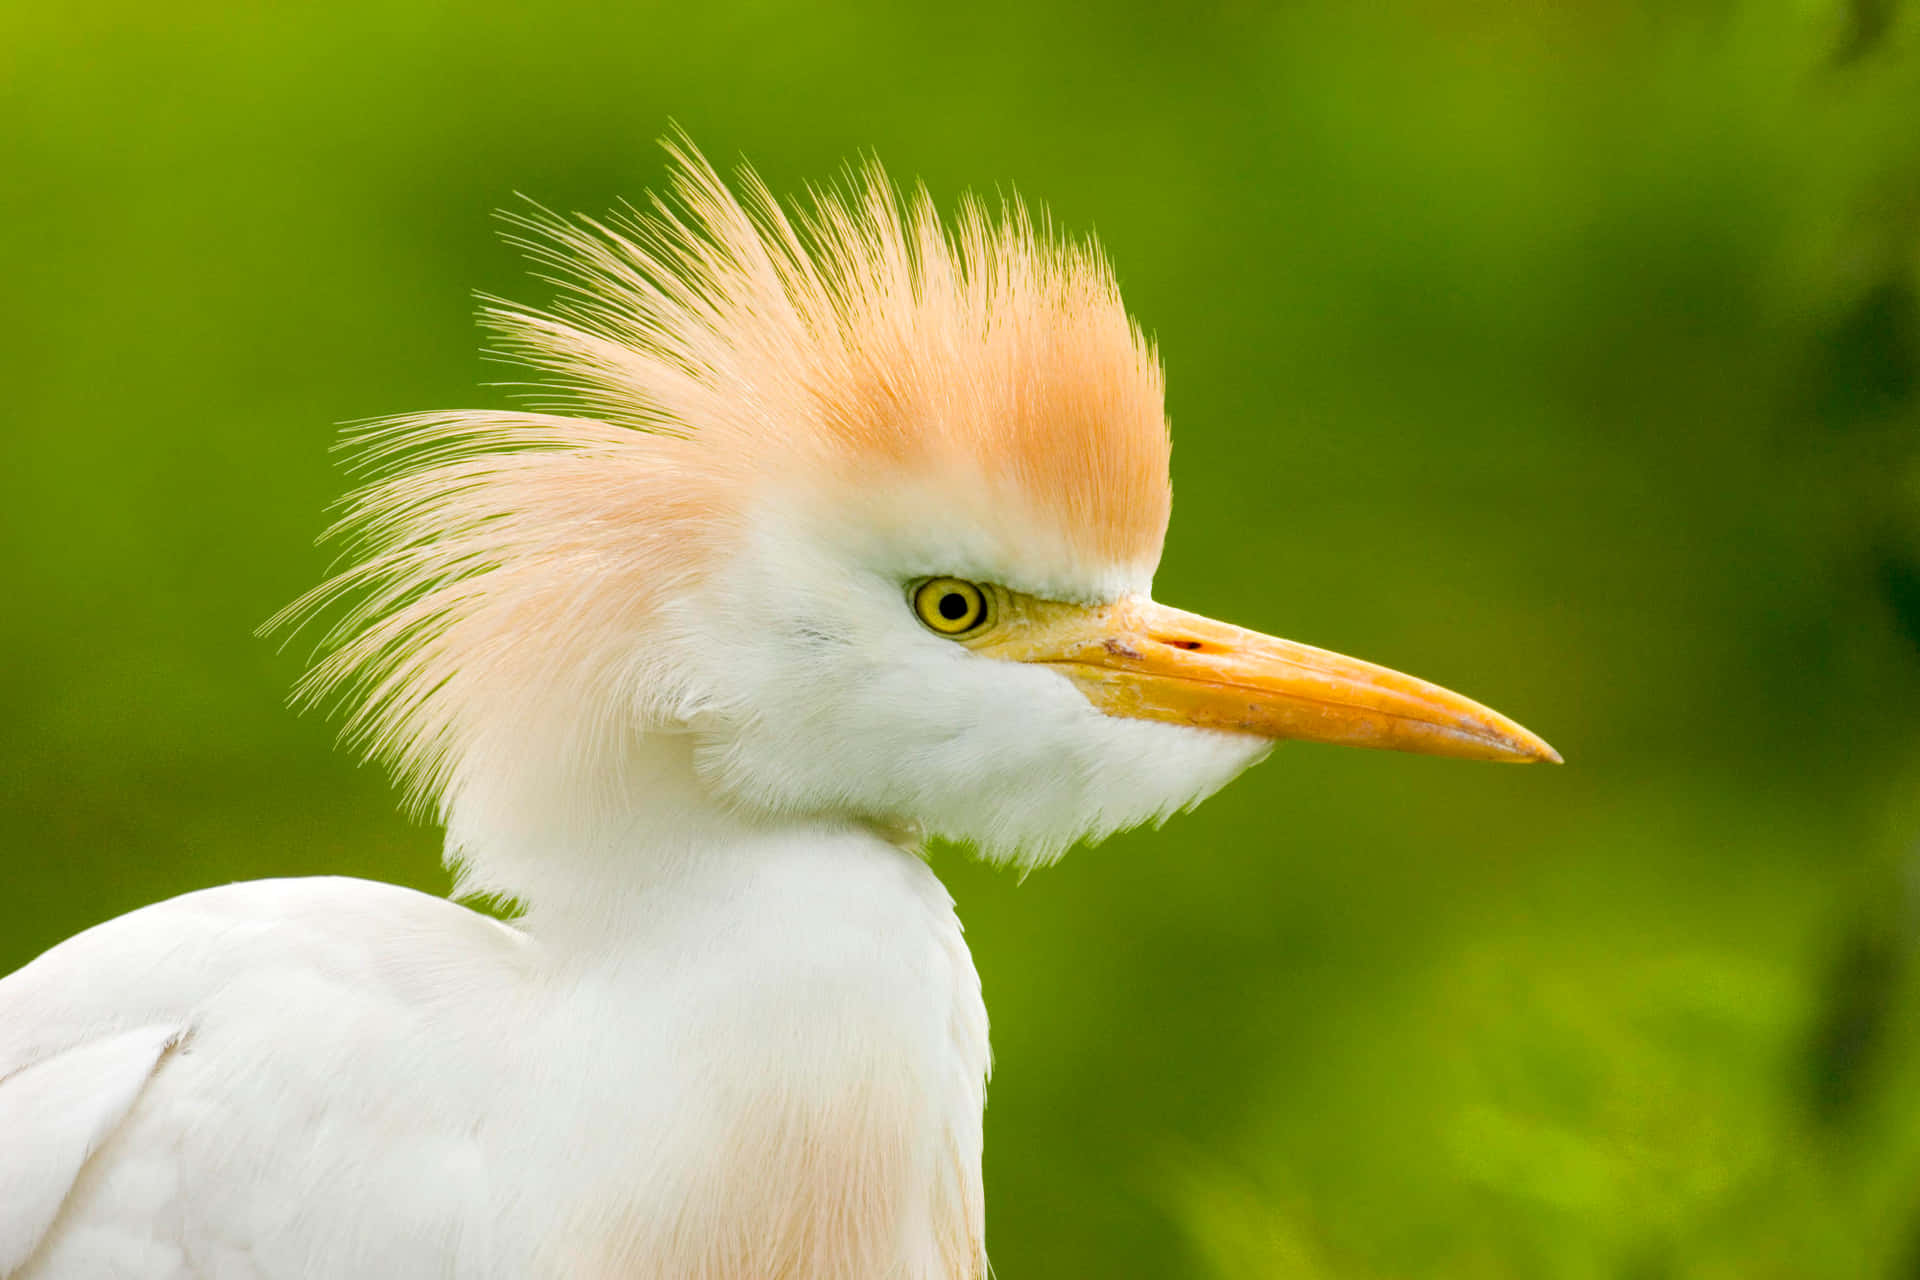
(1567, 354)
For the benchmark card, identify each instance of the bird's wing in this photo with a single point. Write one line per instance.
(184, 1055)
(55, 1114)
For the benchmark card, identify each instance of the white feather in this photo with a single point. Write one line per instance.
(369, 1081)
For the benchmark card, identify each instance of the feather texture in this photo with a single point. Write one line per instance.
(725, 354)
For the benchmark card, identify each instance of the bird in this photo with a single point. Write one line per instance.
(827, 530)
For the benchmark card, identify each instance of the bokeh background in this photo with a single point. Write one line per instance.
(1568, 354)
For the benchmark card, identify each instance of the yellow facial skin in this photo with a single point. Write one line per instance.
(1142, 660)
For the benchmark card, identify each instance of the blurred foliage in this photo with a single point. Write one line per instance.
(1567, 354)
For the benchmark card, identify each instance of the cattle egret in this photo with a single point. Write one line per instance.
(841, 539)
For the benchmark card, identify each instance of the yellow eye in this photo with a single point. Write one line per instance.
(950, 606)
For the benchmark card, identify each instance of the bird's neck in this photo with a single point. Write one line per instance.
(592, 850)
(769, 1032)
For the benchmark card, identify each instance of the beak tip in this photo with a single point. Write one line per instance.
(1535, 750)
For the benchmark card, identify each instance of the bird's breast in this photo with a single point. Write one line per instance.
(794, 1090)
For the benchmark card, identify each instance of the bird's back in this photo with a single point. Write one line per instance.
(217, 1084)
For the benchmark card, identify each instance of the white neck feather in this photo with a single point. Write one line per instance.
(794, 991)
(587, 845)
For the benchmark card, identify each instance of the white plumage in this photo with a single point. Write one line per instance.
(847, 540)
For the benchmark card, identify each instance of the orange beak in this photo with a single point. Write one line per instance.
(1143, 660)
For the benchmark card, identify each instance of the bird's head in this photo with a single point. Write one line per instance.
(866, 508)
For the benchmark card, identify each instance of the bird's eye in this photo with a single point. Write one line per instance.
(951, 606)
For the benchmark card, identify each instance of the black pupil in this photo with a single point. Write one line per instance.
(953, 606)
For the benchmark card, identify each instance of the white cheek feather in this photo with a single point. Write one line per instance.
(827, 696)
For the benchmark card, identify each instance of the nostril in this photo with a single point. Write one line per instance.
(1181, 644)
